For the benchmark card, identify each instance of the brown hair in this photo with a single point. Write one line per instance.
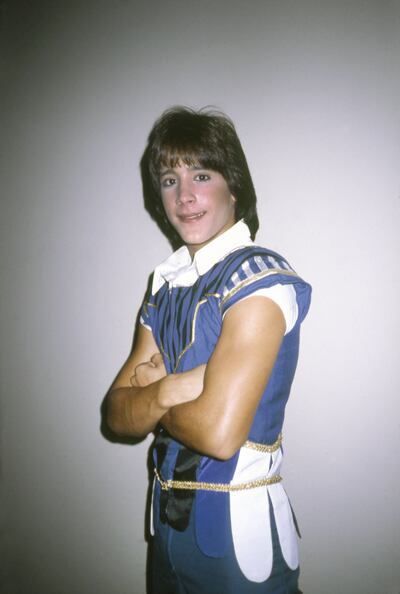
(206, 138)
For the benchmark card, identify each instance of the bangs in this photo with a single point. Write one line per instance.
(191, 154)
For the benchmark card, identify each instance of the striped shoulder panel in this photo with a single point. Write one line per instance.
(244, 264)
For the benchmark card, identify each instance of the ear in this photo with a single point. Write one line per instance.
(233, 198)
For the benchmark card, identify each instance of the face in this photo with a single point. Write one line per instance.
(198, 203)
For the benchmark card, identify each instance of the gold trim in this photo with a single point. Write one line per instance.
(261, 447)
(193, 330)
(254, 278)
(219, 487)
(146, 304)
(163, 351)
(193, 333)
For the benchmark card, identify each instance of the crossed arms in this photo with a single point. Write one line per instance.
(211, 407)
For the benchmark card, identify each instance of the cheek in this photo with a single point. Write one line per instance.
(228, 203)
(220, 200)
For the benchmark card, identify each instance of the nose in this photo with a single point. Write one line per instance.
(185, 192)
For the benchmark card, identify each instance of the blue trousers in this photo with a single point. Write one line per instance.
(179, 567)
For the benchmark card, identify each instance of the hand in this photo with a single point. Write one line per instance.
(149, 372)
(179, 388)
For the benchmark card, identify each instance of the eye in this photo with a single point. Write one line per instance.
(167, 182)
(202, 177)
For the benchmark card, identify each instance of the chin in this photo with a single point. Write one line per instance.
(194, 236)
(195, 239)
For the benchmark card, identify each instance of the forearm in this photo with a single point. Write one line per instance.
(187, 423)
(187, 387)
(135, 411)
(208, 424)
(203, 427)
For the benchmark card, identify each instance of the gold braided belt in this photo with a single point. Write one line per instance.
(261, 447)
(227, 487)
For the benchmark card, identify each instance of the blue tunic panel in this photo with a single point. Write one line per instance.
(186, 323)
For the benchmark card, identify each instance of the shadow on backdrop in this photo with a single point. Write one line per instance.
(112, 437)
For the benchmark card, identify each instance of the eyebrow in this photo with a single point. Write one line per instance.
(190, 167)
(166, 172)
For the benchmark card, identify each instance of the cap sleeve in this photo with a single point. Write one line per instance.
(260, 271)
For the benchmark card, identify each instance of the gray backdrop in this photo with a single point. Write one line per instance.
(314, 90)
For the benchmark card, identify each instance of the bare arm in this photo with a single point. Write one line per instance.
(217, 423)
(143, 392)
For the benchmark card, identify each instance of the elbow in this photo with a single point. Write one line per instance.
(112, 416)
(228, 437)
(223, 451)
(115, 414)
(120, 418)
(223, 445)
(115, 426)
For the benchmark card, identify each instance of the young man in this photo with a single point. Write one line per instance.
(211, 369)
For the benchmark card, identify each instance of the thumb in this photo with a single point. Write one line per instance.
(157, 359)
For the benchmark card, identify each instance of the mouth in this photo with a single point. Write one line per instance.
(188, 218)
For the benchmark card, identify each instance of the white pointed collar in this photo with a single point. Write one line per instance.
(179, 270)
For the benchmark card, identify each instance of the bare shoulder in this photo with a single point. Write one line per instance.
(254, 319)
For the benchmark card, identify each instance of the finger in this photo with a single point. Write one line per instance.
(143, 366)
(157, 359)
(134, 382)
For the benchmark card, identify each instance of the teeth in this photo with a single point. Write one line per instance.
(192, 217)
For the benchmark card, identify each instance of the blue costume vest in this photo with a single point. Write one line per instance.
(186, 323)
